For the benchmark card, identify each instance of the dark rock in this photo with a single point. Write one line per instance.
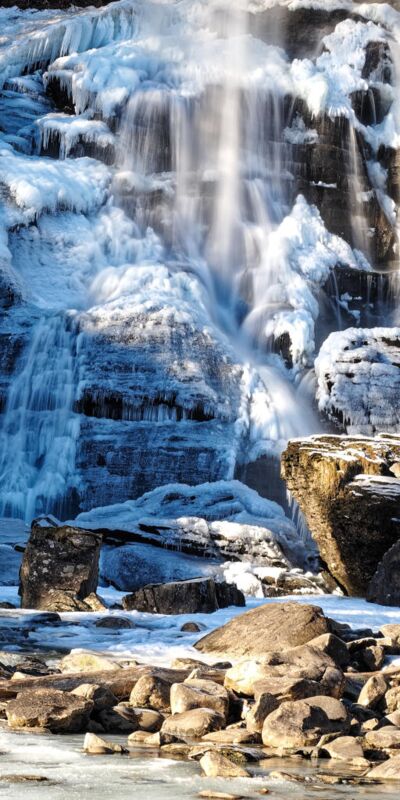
(183, 597)
(384, 587)
(191, 627)
(343, 487)
(114, 623)
(263, 629)
(58, 559)
(60, 712)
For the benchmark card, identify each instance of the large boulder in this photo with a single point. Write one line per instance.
(195, 693)
(193, 724)
(60, 712)
(302, 723)
(58, 558)
(384, 587)
(263, 629)
(348, 489)
(184, 597)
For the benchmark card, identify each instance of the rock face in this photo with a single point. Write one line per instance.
(60, 712)
(359, 379)
(265, 628)
(184, 597)
(384, 587)
(349, 493)
(58, 558)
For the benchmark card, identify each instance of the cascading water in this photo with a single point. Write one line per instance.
(187, 220)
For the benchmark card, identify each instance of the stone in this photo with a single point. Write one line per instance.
(87, 662)
(191, 627)
(57, 600)
(101, 696)
(233, 735)
(200, 595)
(346, 748)
(193, 724)
(148, 719)
(373, 691)
(271, 693)
(334, 647)
(391, 631)
(373, 657)
(392, 699)
(151, 691)
(114, 623)
(95, 745)
(301, 723)
(388, 771)
(349, 497)
(215, 765)
(199, 694)
(266, 628)
(58, 711)
(385, 740)
(384, 587)
(58, 558)
(119, 719)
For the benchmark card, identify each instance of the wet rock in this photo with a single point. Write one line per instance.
(202, 595)
(60, 712)
(345, 748)
(343, 487)
(266, 628)
(119, 719)
(114, 623)
(191, 627)
(215, 765)
(373, 691)
(199, 694)
(58, 559)
(87, 662)
(95, 745)
(301, 723)
(151, 691)
(193, 724)
(388, 771)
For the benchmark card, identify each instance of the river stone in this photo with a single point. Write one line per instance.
(391, 631)
(199, 694)
(151, 691)
(119, 719)
(148, 719)
(271, 693)
(385, 739)
(60, 712)
(388, 771)
(58, 558)
(95, 745)
(216, 765)
(193, 724)
(373, 691)
(301, 723)
(87, 662)
(101, 696)
(269, 627)
(346, 748)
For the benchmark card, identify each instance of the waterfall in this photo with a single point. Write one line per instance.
(39, 431)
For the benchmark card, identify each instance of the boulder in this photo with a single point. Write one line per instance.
(101, 696)
(271, 626)
(384, 587)
(347, 489)
(301, 723)
(216, 765)
(193, 724)
(119, 719)
(114, 623)
(151, 691)
(391, 631)
(58, 558)
(385, 740)
(388, 771)
(373, 691)
(60, 712)
(199, 694)
(87, 662)
(95, 745)
(345, 748)
(333, 647)
(271, 693)
(148, 719)
(200, 595)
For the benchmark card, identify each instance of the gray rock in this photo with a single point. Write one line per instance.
(301, 723)
(60, 712)
(193, 724)
(183, 597)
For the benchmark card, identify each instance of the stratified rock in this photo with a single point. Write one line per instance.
(60, 712)
(348, 492)
(359, 379)
(58, 558)
(384, 588)
(216, 765)
(193, 724)
(302, 723)
(183, 597)
(266, 628)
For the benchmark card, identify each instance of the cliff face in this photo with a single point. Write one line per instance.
(348, 489)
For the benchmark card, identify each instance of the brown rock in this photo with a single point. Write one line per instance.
(95, 745)
(215, 765)
(388, 771)
(119, 719)
(346, 748)
(60, 712)
(151, 691)
(101, 696)
(199, 694)
(193, 724)
(87, 662)
(268, 627)
(392, 632)
(58, 558)
(385, 739)
(115, 623)
(373, 691)
(333, 647)
(148, 719)
(351, 518)
(301, 723)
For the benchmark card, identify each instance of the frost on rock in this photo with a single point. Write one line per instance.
(359, 379)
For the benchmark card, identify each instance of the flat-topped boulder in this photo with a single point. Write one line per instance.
(60, 558)
(348, 488)
(202, 595)
(266, 628)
